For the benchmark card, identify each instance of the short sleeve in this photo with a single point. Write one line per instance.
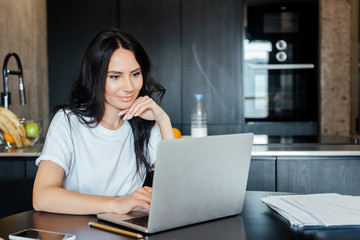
(58, 146)
(155, 138)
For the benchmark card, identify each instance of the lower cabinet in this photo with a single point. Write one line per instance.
(16, 184)
(16, 196)
(305, 174)
(329, 174)
(30, 167)
(296, 174)
(262, 174)
(12, 168)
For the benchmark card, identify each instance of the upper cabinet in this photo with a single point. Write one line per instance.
(71, 26)
(157, 28)
(195, 47)
(211, 35)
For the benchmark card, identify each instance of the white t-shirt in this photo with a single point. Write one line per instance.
(96, 160)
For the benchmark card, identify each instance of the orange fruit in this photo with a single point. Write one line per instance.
(177, 133)
(8, 138)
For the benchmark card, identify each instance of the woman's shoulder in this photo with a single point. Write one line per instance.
(62, 114)
(65, 116)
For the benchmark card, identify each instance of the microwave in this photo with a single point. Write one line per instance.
(278, 19)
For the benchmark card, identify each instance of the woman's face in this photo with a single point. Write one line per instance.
(124, 80)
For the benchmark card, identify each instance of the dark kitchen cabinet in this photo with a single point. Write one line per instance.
(13, 168)
(262, 174)
(71, 26)
(17, 176)
(16, 196)
(195, 46)
(319, 174)
(211, 53)
(157, 27)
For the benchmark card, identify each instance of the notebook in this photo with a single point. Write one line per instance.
(195, 180)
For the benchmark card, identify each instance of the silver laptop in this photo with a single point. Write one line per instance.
(195, 180)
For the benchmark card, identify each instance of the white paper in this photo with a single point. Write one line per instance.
(317, 209)
(294, 214)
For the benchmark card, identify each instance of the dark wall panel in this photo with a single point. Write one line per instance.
(195, 47)
(71, 26)
(157, 27)
(212, 39)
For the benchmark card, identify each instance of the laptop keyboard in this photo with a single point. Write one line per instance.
(140, 221)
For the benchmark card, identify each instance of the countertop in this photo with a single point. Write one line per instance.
(32, 151)
(306, 149)
(279, 149)
(306, 146)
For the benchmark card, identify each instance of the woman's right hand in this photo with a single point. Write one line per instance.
(137, 200)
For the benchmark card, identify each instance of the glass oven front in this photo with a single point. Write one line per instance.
(280, 77)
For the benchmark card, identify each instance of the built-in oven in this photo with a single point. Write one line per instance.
(280, 68)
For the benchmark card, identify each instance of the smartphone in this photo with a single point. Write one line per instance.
(40, 234)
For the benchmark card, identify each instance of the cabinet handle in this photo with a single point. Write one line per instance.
(281, 66)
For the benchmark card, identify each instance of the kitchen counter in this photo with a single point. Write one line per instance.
(292, 167)
(305, 146)
(279, 149)
(32, 151)
(309, 149)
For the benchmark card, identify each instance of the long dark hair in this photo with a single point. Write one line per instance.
(86, 99)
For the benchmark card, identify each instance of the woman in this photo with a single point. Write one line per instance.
(101, 143)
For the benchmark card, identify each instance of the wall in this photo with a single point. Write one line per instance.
(74, 26)
(23, 31)
(195, 46)
(338, 66)
(71, 26)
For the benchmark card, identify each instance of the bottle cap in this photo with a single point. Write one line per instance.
(198, 96)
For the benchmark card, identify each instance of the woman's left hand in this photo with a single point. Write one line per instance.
(146, 108)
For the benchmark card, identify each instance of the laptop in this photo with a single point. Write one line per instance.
(195, 180)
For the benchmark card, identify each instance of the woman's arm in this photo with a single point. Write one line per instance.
(146, 108)
(49, 196)
(166, 128)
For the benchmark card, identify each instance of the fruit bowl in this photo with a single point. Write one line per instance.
(20, 133)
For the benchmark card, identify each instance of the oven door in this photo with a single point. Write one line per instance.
(278, 94)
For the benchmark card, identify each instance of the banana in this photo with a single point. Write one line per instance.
(3, 127)
(9, 128)
(14, 120)
(26, 141)
(11, 124)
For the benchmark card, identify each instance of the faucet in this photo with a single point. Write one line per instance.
(6, 95)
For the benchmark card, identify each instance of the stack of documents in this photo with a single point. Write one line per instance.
(320, 210)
